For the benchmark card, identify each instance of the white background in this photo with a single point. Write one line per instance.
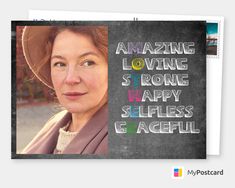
(117, 173)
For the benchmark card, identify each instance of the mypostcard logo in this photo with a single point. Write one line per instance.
(205, 172)
(177, 172)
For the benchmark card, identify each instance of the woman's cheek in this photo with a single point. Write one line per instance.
(57, 80)
(91, 82)
(97, 80)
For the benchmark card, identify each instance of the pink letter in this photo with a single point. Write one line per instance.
(134, 95)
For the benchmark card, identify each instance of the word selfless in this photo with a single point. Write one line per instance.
(158, 111)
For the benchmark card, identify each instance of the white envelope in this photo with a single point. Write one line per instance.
(214, 62)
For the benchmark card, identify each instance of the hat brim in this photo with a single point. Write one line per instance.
(34, 39)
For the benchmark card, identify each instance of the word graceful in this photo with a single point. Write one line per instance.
(156, 48)
(156, 127)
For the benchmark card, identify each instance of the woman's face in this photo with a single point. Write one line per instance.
(79, 72)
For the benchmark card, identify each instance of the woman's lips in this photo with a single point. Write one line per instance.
(73, 95)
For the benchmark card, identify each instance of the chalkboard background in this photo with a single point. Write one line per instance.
(162, 146)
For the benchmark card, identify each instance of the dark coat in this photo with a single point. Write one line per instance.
(92, 138)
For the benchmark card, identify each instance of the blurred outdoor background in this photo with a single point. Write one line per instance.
(35, 102)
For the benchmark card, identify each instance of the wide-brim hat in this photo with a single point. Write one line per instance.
(34, 40)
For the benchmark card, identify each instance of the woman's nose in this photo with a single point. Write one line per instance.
(72, 76)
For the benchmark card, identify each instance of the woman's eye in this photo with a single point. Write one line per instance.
(59, 64)
(88, 63)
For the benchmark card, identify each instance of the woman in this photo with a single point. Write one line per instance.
(72, 60)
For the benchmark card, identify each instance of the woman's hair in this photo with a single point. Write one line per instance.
(98, 34)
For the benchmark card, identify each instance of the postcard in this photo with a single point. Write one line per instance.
(215, 27)
(123, 89)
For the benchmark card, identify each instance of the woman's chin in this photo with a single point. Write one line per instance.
(75, 110)
(78, 108)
